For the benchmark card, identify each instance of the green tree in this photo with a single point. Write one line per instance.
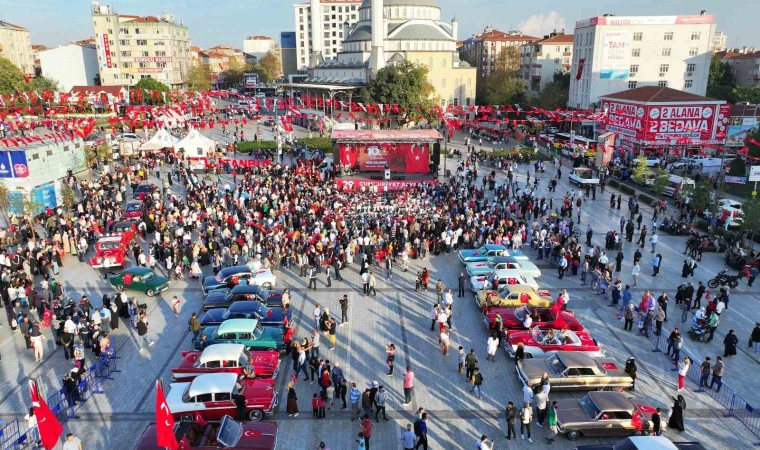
(641, 171)
(42, 83)
(660, 181)
(738, 168)
(68, 196)
(720, 81)
(270, 67)
(700, 197)
(4, 204)
(151, 84)
(747, 94)
(752, 141)
(404, 84)
(234, 74)
(198, 77)
(556, 93)
(503, 86)
(11, 78)
(31, 206)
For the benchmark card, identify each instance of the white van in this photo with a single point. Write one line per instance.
(678, 184)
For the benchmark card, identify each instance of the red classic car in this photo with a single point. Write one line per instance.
(526, 317)
(127, 227)
(110, 251)
(211, 396)
(538, 342)
(215, 435)
(133, 210)
(229, 358)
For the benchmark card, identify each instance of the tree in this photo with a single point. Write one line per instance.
(42, 83)
(151, 84)
(660, 182)
(31, 206)
(751, 211)
(747, 94)
(68, 197)
(556, 93)
(11, 78)
(508, 60)
(503, 86)
(404, 84)
(641, 172)
(700, 197)
(199, 77)
(752, 141)
(270, 67)
(720, 81)
(4, 204)
(737, 168)
(234, 74)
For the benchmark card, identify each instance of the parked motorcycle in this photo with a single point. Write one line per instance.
(723, 278)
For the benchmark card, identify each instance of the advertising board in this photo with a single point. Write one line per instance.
(616, 54)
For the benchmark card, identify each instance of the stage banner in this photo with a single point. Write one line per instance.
(349, 154)
(417, 158)
(380, 185)
(376, 156)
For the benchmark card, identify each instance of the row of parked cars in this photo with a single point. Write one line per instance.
(553, 341)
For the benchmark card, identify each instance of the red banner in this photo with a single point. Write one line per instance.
(417, 159)
(245, 162)
(381, 186)
(164, 421)
(375, 157)
(49, 427)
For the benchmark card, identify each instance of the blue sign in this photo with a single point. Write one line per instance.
(45, 196)
(606, 74)
(13, 164)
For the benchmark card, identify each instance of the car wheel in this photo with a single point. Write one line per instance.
(573, 435)
(150, 293)
(271, 349)
(120, 287)
(256, 415)
(528, 356)
(267, 285)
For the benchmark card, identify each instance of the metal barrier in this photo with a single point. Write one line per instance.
(734, 404)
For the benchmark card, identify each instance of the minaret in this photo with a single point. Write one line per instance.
(316, 33)
(455, 28)
(377, 57)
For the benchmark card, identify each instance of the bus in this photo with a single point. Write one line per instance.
(587, 145)
(565, 139)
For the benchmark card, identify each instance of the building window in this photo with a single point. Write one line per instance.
(123, 30)
(662, 83)
(145, 53)
(631, 85)
(126, 65)
(688, 83)
(143, 65)
(158, 43)
(161, 65)
(665, 52)
(142, 42)
(696, 35)
(664, 68)
(693, 51)
(443, 63)
(126, 54)
(636, 52)
(691, 67)
(637, 36)
(161, 53)
(668, 36)
(124, 42)
(634, 69)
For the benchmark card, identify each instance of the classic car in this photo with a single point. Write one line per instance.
(211, 396)
(128, 227)
(110, 251)
(140, 279)
(226, 358)
(143, 189)
(571, 371)
(251, 309)
(133, 210)
(604, 413)
(514, 295)
(524, 266)
(644, 443)
(538, 342)
(526, 317)
(227, 434)
(224, 297)
(229, 277)
(481, 254)
(498, 278)
(248, 332)
(583, 176)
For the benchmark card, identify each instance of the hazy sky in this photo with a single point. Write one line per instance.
(212, 22)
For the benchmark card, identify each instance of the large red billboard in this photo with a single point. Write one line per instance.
(376, 157)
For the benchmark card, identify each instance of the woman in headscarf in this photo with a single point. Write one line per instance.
(729, 344)
(630, 369)
(292, 405)
(676, 415)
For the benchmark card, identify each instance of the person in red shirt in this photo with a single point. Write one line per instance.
(366, 427)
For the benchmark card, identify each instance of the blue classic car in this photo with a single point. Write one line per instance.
(482, 253)
(224, 297)
(251, 309)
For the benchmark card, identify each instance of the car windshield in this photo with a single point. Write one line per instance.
(109, 245)
(258, 331)
(244, 358)
(481, 251)
(556, 365)
(588, 405)
(585, 174)
(131, 207)
(147, 276)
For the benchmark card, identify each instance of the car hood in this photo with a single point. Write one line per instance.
(569, 412)
(174, 397)
(157, 281)
(212, 317)
(533, 368)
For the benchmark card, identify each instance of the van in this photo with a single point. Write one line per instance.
(678, 185)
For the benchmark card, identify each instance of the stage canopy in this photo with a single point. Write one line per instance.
(406, 136)
(406, 151)
(162, 139)
(196, 145)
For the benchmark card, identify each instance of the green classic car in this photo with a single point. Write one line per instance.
(248, 332)
(140, 279)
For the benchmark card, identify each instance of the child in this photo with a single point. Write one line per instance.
(315, 406)
(175, 306)
(330, 391)
(321, 406)
(460, 358)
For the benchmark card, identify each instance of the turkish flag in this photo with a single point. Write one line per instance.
(49, 427)
(164, 421)
(581, 63)
(417, 159)
(348, 155)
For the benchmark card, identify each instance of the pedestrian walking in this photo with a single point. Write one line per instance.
(552, 422)
(328, 276)
(312, 278)
(470, 363)
(675, 422)
(683, 370)
(343, 309)
(408, 386)
(372, 285)
(717, 373)
(421, 430)
(526, 417)
(408, 438)
(510, 414)
(460, 359)
(492, 345)
(477, 384)
(194, 325)
(390, 357)
(380, 400)
(704, 372)
(142, 332)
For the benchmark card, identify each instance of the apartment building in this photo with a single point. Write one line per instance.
(16, 45)
(482, 50)
(540, 60)
(334, 15)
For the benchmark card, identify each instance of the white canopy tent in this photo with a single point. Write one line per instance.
(196, 147)
(162, 139)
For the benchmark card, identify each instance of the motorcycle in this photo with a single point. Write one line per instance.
(723, 278)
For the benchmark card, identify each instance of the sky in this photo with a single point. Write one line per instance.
(213, 22)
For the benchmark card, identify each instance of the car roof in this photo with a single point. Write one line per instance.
(246, 289)
(494, 247)
(610, 401)
(212, 383)
(520, 288)
(250, 305)
(502, 259)
(576, 359)
(650, 443)
(237, 325)
(227, 271)
(110, 239)
(137, 270)
(216, 352)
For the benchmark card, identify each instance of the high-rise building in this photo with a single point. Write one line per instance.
(133, 47)
(612, 54)
(288, 53)
(720, 41)
(324, 41)
(259, 46)
(540, 60)
(483, 50)
(16, 45)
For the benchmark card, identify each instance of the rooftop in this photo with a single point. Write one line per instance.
(557, 39)
(656, 94)
(4, 24)
(259, 38)
(496, 35)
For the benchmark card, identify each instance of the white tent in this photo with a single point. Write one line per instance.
(162, 139)
(197, 148)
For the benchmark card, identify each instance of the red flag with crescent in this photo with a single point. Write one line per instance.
(164, 421)
(49, 427)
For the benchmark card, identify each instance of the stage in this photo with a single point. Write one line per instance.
(375, 180)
